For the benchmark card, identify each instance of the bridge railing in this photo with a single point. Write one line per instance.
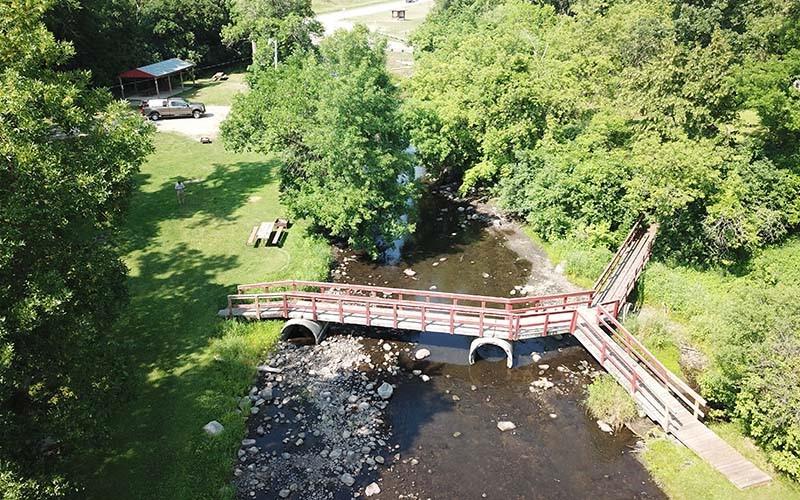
(615, 260)
(626, 367)
(516, 304)
(638, 351)
(481, 321)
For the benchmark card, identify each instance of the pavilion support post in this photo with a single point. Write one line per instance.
(169, 83)
(121, 87)
(181, 77)
(157, 92)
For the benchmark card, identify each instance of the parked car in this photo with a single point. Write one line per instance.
(174, 107)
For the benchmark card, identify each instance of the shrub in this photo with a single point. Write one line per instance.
(609, 402)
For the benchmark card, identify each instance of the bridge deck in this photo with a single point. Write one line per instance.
(410, 317)
(619, 277)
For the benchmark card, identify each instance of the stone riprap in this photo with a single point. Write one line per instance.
(320, 425)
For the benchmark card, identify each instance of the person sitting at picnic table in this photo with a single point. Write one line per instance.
(180, 190)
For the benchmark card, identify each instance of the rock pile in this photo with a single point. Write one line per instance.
(318, 421)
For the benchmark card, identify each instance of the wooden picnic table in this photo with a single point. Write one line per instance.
(268, 232)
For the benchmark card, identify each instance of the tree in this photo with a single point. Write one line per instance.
(334, 120)
(111, 36)
(290, 23)
(68, 155)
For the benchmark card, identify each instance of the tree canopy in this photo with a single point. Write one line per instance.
(333, 118)
(579, 116)
(291, 24)
(111, 36)
(580, 121)
(69, 154)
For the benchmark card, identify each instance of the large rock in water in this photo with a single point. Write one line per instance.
(385, 390)
(422, 354)
(347, 479)
(213, 428)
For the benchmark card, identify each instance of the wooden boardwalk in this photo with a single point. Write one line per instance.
(666, 399)
(455, 314)
(590, 316)
(620, 275)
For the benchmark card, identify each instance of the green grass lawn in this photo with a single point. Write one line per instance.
(189, 366)
(382, 22)
(214, 93)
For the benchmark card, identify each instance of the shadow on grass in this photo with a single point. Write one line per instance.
(215, 197)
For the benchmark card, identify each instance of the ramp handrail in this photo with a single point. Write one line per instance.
(626, 366)
(611, 266)
(636, 349)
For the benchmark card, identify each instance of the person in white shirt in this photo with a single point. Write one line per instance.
(180, 190)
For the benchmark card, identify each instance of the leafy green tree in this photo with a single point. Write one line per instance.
(334, 120)
(69, 154)
(111, 36)
(290, 23)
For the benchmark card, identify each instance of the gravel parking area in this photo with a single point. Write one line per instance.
(207, 126)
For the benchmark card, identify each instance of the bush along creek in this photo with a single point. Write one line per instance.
(402, 414)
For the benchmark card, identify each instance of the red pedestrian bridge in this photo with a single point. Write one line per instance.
(590, 316)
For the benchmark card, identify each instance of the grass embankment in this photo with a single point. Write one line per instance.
(608, 401)
(685, 318)
(188, 366)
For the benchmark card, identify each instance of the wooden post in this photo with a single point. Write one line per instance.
(452, 320)
(423, 319)
(258, 307)
(157, 92)
(341, 312)
(394, 315)
(180, 75)
(314, 308)
(368, 321)
(169, 83)
(285, 306)
(546, 322)
(121, 87)
(480, 324)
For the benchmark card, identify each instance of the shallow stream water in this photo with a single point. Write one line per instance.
(450, 447)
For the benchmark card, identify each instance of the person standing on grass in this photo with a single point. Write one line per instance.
(180, 190)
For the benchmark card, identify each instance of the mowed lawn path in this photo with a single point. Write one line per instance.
(189, 367)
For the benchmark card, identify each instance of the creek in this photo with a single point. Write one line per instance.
(450, 446)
